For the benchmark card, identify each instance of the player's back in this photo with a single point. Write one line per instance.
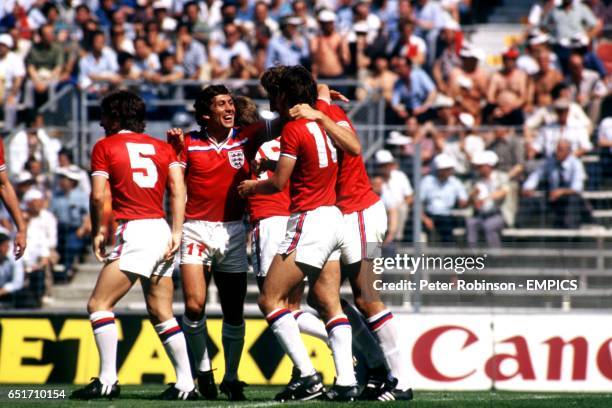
(314, 176)
(354, 191)
(137, 167)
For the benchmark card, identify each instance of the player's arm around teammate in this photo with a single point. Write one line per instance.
(309, 158)
(365, 223)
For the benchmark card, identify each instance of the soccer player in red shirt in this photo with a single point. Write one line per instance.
(138, 168)
(214, 235)
(314, 230)
(365, 224)
(10, 201)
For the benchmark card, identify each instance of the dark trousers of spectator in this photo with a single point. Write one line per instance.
(69, 246)
(443, 226)
(20, 299)
(605, 166)
(490, 224)
(568, 211)
(591, 60)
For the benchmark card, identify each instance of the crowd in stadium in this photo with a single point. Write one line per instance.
(490, 137)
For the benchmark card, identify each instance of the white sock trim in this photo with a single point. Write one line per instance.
(102, 321)
(167, 330)
(193, 326)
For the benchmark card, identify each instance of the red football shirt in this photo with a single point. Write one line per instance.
(213, 173)
(353, 190)
(2, 162)
(136, 166)
(314, 176)
(269, 205)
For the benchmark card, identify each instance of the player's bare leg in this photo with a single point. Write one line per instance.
(379, 322)
(158, 295)
(325, 297)
(232, 292)
(284, 275)
(111, 286)
(308, 323)
(195, 280)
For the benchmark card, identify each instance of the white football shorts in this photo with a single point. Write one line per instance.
(221, 245)
(268, 235)
(140, 246)
(363, 234)
(314, 235)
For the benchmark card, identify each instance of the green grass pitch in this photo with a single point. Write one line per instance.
(144, 396)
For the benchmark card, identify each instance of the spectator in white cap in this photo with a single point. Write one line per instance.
(395, 192)
(456, 142)
(536, 42)
(362, 11)
(290, 46)
(563, 175)
(487, 196)
(23, 182)
(329, 50)
(40, 255)
(549, 135)
(447, 59)
(65, 161)
(440, 192)
(12, 75)
(71, 208)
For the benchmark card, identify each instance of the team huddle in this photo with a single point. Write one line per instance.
(302, 182)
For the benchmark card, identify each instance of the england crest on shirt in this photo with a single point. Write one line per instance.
(236, 158)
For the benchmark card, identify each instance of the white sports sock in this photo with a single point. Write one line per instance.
(363, 339)
(105, 333)
(197, 336)
(287, 332)
(310, 324)
(383, 326)
(173, 339)
(232, 338)
(340, 338)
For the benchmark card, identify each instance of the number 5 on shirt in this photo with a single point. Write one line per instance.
(144, 171)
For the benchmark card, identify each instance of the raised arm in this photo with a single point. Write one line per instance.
(343, 136)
